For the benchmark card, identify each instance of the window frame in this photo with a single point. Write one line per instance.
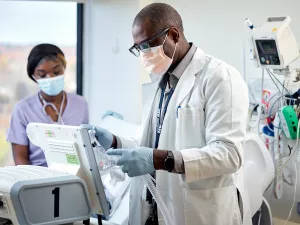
(79, 49)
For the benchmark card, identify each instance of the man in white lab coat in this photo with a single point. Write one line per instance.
(194, 133)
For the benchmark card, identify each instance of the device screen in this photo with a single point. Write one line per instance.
(267, 51)
(266, 46)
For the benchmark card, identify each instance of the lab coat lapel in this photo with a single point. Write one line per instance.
(149, 93)
(183, 88)
(187, 80)
(146, 137)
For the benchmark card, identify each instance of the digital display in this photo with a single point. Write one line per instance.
(268, 49)
(267, 52)
(266, 46)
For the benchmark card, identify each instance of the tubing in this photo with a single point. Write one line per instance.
(158, 199)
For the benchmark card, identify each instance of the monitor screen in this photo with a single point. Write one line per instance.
(266, 47)
(267, 52)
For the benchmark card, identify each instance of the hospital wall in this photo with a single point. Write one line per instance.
(113, 77)
(218, 26)
(111, 74)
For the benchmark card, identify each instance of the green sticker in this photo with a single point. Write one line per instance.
(49, 133)
(72, 159)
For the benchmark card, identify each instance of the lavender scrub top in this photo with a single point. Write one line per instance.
(30, 110)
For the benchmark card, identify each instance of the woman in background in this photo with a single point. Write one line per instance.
(46, 66)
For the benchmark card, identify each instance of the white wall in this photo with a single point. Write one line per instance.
(217, 26)
(111, 73)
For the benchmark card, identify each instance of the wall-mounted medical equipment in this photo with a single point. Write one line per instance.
(71, 149)
(274, 43)
(37, 195)
(273, 47)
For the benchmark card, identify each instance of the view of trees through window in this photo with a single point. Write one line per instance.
(24, 25)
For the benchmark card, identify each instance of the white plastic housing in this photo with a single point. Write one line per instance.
(277, 28)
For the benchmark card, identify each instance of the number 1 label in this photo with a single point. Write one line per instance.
(55, 192)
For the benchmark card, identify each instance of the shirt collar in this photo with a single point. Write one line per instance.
(179, 70)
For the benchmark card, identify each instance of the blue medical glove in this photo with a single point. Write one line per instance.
(135, 162)
(104, 137)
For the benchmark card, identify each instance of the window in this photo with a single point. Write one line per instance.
(23, 25)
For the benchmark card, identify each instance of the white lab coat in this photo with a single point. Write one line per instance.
(209, 130)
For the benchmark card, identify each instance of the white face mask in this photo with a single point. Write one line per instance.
(156, 61)
(52, 86)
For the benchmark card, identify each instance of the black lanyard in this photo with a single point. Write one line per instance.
(161, 114)
(159, 122)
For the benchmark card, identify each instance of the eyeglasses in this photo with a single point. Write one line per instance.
(145, 46)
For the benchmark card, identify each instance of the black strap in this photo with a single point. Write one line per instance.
(99, 219)
(86, 222)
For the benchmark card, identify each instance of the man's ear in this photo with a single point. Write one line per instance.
(174, 34)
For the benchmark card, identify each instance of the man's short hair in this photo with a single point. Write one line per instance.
(161, 16)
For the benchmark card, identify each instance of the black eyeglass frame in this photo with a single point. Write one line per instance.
(145, 46)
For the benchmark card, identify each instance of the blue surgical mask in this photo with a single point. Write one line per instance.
(52, 86)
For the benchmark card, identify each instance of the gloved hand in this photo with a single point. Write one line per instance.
(104, 137)
(135, 162)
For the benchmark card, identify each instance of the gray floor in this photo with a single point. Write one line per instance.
(281, 222)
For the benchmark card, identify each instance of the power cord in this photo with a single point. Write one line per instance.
(291, 155)
(296, 173)
(270, 73)
(295, 192)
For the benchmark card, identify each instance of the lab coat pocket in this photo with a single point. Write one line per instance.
(218, 206)
(190, 128)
